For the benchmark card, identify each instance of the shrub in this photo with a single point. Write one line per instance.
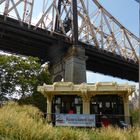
(135, 115)
(26, 123)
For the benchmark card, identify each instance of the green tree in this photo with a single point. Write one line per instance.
(20, 76)
(37, 99)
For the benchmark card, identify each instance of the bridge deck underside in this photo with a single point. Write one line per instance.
(52, 47)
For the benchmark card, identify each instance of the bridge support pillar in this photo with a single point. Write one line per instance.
(57, 71)
(72, 67)
(75, 65)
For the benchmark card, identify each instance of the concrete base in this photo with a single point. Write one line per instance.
(75, 65)
(75, 70)
(72, 68)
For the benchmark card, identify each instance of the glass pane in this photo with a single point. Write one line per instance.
(78, 110)
(57, 108)
(100, 105)
(58, 100)
(107, 104)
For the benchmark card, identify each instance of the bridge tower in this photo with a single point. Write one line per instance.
(72, 67)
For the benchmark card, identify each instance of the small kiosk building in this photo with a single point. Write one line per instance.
(102, 98)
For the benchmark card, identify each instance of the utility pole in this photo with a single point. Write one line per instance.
(139, 62)
(139, 59)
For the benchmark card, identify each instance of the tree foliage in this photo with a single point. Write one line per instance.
(20, 76)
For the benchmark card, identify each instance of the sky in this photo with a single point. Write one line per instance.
(127, 13)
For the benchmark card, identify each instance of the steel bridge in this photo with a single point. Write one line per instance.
(110, 48)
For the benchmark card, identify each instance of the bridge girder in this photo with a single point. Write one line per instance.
(21, 9)
(96, 26)
(52, 47)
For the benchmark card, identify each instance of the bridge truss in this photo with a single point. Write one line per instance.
(96, 26)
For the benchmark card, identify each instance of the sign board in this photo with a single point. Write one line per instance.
(78, 120)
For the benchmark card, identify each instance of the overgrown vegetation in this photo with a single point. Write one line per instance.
(26, 123)
(135, 116)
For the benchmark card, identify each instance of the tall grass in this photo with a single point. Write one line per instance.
(26, 123)
(135, 115)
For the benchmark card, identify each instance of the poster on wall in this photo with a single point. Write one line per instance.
(79, 120)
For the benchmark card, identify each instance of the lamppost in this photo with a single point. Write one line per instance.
(139, 61)
(0, 80)
(139, 58)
